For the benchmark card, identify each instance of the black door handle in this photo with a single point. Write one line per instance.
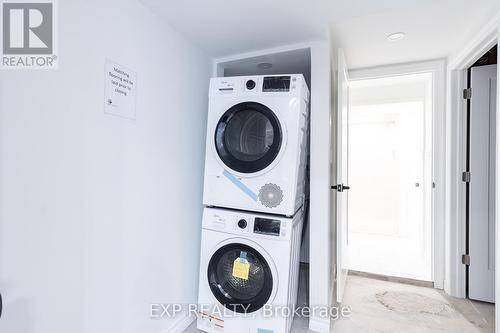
(1, 305)
(341, 187)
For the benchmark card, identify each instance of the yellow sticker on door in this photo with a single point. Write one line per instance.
(241, 267)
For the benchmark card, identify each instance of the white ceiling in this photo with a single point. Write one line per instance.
(434, 28)
(228, 27)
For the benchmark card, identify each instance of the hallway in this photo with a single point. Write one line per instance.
(389, 307)
(381, 306)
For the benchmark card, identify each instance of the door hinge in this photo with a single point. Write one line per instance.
(466, 259)
(468, 93)
(466, 177)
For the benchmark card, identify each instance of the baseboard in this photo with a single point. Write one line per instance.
(320, 325)
(181, 323)
(414, 282)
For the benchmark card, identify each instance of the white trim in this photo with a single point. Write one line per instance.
(319, 325)
(455, 189)
(181, 323)
(455, 278)
(437, 68)
(497, 196)
(482, 42)
(320, 261)
(395, 70)
(340, 176)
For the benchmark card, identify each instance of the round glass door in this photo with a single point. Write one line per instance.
(242, 294)
(248, 137)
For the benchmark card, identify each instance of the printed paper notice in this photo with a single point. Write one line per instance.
(121, 87)
(241, 269)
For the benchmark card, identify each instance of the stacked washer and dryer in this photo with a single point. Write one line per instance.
(254, 195)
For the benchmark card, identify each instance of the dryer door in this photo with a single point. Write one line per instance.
(240, 278)
(248, 137)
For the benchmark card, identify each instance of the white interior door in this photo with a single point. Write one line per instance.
(482, 185)
(341, 186)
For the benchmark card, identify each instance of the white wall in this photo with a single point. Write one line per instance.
(99, 215)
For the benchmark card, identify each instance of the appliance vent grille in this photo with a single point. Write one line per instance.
(271, 195)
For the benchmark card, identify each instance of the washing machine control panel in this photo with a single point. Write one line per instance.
(267, 226)
(247, 224)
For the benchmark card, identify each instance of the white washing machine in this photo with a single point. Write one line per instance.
(257, 145)
(249, 271)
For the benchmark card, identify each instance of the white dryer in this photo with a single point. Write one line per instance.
(257, 145)
(249, 272)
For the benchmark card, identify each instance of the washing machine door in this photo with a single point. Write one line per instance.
(248, 137)
(242, 295)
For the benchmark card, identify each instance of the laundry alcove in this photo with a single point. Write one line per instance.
(295, 61)
(313, 60)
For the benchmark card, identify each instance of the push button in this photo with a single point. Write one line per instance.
(250, 84)
(242, 224)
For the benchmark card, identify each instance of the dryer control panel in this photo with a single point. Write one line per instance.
(288, 85)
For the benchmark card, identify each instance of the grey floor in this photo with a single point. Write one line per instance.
(390, 307)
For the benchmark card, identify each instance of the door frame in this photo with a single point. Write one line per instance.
(437, 68)
(340, 176)
(456, 140)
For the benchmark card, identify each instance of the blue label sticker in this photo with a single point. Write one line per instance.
(262, 330)
(240, 185)
(243, 256)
